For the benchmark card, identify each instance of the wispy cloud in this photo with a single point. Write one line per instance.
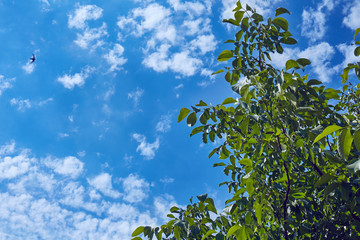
(68, 166)
(164, 125)
(103, 183)
(314, 20)
(136, 95)
(115, 57)
(136, 189)
(24, 104)
(78, 79)
(351, 15)
(148, 150)
(83, 13)
(28, 67)
(5, 83)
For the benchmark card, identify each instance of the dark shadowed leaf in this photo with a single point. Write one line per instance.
(191, 120)
(281, 10)
(281, 22)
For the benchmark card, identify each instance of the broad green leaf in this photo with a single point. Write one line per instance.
(241, 235)
(136, 238)
(228, 100)
(327, 131)
(356, 33)
(313, 82)
(357, 51)
(196, 130)
(289, 40)
(211, 231)
(246, 162)
(225, 55)
(303, 61)
(201, 104)
(258, 212)
(183, 113)
(250, 186)
(177, 232)
(291, 64)
(191, 120)
(357, 140)
(137, 231)
(238, 16)
(218, 71)
(281, 22)
(232, 21)
(174, 209)
(344, 143)
(281, 10)
(330, 188)
(232, 231)
(323, 180)
(354, 166)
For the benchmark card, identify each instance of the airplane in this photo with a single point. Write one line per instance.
(32, 59)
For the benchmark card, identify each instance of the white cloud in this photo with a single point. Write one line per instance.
(22, 105)
(69, 166)
(146, 149)
(164, 125)
(348, 52)
(314, 21)
(206, 43)
(82, 14)
(37, 203)
(351, 13)
(103, 183)
(5, 83)
(167, 180)
(11, 167)
(115, 57)
(163, 204)
(136, 95)
(135, 188)
(90, 36)
(28, 67)
(78, 79)
(165, 32)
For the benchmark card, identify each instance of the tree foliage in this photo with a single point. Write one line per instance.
(290, 146)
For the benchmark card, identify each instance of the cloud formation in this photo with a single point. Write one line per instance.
(78, 79)
(148, 150)
(5, 83)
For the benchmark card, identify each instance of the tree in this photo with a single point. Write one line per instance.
(291, 146)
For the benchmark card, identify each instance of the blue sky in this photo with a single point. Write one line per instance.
(89, 144)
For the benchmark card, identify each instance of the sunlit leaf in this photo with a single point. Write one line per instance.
(328, 130)
(183, 113)
(225, 55)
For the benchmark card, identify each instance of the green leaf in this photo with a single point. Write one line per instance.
(183, 113)
(323, 180)
(357, 139)
(201, 104)
(344, 143)
(211, 231)
(246, 162)
(136, 238)
(228, 100)
(191, 120)
(313, 82)
(357, 51)
(258, 212)
(327, 131)
(137, 231)
(289, 40)
(356, 33)
(291, 64)
(281, 22)
(354, 166)
(303, 61)
(232, 230)
(281, 10)
(225, 55)
(177, 232)
(250, 186)
(238, 16)
(218, 71)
